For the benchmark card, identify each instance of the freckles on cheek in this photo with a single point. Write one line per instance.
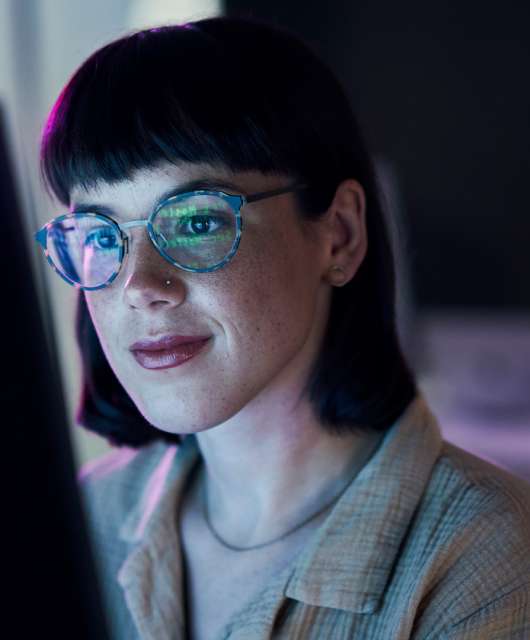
(267, 316)
(244, 307)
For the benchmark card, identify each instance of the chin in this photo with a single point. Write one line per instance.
(178, 421)
(182, 419)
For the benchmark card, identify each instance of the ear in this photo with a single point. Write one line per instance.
(344, 238)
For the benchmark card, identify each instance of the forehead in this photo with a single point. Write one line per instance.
(153, 184)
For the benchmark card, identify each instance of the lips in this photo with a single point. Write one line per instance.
(167, 342)
(174, 356)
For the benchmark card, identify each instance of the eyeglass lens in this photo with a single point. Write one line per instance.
(196, 231)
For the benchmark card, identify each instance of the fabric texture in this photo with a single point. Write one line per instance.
(429, 542)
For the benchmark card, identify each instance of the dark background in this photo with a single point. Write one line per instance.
(441, 91)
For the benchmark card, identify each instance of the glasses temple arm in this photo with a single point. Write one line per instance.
(276, 192)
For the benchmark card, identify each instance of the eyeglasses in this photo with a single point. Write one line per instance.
(196, 231)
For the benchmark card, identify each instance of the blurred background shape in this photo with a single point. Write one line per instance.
(441, 92)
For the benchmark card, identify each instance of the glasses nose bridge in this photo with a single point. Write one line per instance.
(130, 224)
(125, 226)
(134, 223)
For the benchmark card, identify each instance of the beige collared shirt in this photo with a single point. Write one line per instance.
(428, 542)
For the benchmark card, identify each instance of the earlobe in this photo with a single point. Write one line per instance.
(337, 276)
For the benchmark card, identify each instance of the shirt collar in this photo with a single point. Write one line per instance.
(150, 530)
(153, 513)
(348, 562)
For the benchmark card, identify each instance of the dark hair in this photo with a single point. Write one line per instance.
(247, 95)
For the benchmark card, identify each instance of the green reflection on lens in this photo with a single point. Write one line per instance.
(195, 241)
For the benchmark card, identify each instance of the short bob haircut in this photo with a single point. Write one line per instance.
(247, 95)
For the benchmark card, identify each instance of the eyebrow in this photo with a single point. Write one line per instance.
(189, 185)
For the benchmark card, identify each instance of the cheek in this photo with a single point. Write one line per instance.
(100, 311)
(271, 301)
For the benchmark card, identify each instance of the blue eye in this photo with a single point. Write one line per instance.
(103, 238)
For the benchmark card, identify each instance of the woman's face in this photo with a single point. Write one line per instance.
(265, 310)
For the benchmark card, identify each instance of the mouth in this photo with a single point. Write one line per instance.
(173, 356)
(166, 342)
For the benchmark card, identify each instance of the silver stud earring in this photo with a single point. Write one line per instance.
(168, 281)
(340, 277)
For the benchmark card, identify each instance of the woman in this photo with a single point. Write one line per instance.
(276, 471)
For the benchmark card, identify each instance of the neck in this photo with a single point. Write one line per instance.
(263, 482)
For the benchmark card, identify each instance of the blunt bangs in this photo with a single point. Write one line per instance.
(182, 94)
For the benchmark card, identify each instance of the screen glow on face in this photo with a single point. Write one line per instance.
(198, 231)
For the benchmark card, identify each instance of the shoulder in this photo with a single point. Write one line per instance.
(121, 464)
(119, 461)
(467, 490)
(472, 539)
(111, 483)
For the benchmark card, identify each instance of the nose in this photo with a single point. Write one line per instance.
(147, 273)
